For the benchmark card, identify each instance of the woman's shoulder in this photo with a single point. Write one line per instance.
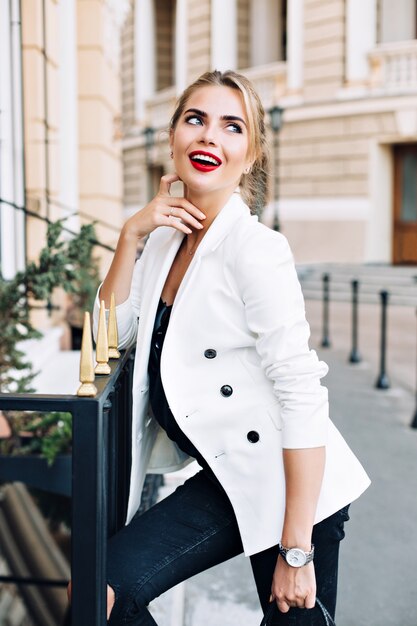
(252, 238)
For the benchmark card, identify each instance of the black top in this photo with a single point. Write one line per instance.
(157, 397)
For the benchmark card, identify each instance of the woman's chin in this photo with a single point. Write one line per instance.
(199, 184)
(203, 184)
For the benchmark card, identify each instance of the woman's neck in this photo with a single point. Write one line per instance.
(210, 205)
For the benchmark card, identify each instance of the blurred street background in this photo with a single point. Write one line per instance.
(87, 88)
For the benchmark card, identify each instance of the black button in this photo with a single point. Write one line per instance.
(253, 436)
(226, 391)
(210, 353)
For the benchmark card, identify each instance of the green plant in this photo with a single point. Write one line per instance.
(65, 263)
(47, 434)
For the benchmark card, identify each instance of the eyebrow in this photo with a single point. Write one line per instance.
(226, 118)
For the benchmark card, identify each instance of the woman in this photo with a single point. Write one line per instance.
(235, 387)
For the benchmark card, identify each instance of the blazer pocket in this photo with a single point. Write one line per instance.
(274, 412)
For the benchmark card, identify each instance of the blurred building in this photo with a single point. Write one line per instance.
(60, 148)
(345, 73)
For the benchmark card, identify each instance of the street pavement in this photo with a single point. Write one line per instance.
(377, 581)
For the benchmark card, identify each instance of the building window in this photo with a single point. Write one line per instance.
(165, 43)
(397, 21)
(261, 32)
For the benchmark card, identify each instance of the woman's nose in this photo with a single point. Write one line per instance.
(208, 136)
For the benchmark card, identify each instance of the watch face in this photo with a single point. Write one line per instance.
(296, 557)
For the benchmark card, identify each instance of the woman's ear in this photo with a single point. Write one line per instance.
(248, 167)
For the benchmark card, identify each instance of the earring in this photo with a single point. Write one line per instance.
(247, 170)
(171, 154)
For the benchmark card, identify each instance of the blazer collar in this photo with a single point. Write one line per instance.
(222, 224)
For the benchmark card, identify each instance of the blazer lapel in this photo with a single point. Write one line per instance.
(221, 226)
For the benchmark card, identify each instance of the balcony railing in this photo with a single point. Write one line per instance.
(394, 67)
(270, 81)
(98, 478)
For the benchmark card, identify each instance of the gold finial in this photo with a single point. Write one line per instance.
(102, 348)
(87, 389)
(113, 337)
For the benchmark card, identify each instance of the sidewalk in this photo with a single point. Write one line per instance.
(377, 574)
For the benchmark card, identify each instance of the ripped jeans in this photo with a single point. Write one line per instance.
(193, 529)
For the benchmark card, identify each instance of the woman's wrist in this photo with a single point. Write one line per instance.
(129, 236)
(302, 543)
(296, 537)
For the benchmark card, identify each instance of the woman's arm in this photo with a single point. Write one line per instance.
(156, 213)
(119, 276)
(303, 476)
(275, 313)
(124, 276)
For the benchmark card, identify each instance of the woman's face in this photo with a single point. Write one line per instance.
(210, 141)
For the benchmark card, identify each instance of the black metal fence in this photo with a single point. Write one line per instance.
(97, 477)
(382, 381)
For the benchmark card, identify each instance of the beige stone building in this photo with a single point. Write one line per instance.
(61, 106)
(345, 74)
(60, 140)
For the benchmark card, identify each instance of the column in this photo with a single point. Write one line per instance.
(144, 55)
(360, 38)
(223, 35)
(295, 45)
(181, 40)
(68, 126)
(12, 242)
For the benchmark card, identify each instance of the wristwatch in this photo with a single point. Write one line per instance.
(295, 557)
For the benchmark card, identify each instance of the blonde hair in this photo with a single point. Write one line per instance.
(253, 184)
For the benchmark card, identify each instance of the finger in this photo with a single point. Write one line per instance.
(166, 182)
(182, 213)
(175, 223)
(310, 600)
(283, 606)
(185, 204)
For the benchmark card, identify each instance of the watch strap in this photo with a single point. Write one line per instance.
(283, 551)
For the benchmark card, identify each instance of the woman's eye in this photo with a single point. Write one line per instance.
(193, 119)
(235, 128)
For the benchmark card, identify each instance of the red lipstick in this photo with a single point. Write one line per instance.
(204, 161)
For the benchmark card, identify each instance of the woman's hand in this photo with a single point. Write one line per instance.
(161, 210)
(293, 586)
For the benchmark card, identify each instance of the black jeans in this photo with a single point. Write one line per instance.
(193, 529)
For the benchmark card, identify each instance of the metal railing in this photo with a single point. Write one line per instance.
(35, 215)
(99, 476)
(270, 81)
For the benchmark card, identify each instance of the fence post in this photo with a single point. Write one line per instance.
(414, 421)
(325, 342)
(383, 380)
(355, 356)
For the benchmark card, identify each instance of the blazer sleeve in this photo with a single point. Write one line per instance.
(275, 313)
(127, 312)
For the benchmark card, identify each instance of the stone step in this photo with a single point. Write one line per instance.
(369, 298)
(360, 269)
(401, 283)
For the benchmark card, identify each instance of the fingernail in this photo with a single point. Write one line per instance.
(202, 215)
(270, 598)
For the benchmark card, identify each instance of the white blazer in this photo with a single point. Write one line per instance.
(237, 372)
